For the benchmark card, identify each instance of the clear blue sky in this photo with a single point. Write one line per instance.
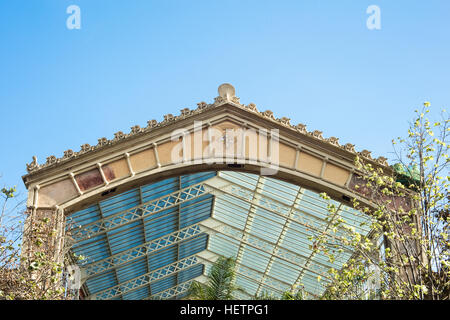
(313, 61)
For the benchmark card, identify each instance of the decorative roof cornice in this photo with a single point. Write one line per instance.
(226, 96)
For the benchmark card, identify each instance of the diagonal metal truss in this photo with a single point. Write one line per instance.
(314, 252)
(263, 245)
(257, 198)
(242, 236)
(269, 204)
(79, 233)
(298, 197)
(109, 245)
(146, 279)
(178, 227)
(142, 250)
(184, 287)
(250, 217)
(172, 292)
(147, 263)
(255, 276)
(243, 295)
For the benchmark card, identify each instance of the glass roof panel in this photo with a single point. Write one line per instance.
(265, 223)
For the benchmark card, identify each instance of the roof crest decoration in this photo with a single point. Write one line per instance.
(226, 95)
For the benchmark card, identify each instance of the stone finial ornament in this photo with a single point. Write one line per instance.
(226, 91)
(33, 165)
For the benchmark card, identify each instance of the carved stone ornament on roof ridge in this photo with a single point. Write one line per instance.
(185, 112)
(382, 161)
(135, 129)
(151, 124)
(68, 154)
(168, 118)
(86, 148)
(33, 165)
(334, 141)
(317, 134)
(268, 114)
(252, 107)
(219, 100)
(202, 105)
(102, 142)
(285, 121)
(366, 154)
(349, 147)
(51, 160)
(226, 95)
(301, 128)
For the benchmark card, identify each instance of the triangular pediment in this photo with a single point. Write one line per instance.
(227, 106)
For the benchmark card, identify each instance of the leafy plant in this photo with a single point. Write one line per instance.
(407, 252)
(29, 268)
(220, 284)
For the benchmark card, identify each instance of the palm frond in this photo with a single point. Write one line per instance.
(220, 284)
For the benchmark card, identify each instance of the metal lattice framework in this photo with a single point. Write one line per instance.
(271, 205)
(141, 250)
(172, 292)
(139, 212)
(263, 245)
(290, 219)
(257, 276)
(267, 230)
(146, 279)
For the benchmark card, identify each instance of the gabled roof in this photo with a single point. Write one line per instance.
(226, 97)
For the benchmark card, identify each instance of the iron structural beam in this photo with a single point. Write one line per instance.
(280, 239)
(175, 290)
(261, 244)
(108, 244)
(138, 212)
(146, 279)
(250, 217)
(266, 203)
(313, 252)
(142, 250)
(147, 263)
(252, 274)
